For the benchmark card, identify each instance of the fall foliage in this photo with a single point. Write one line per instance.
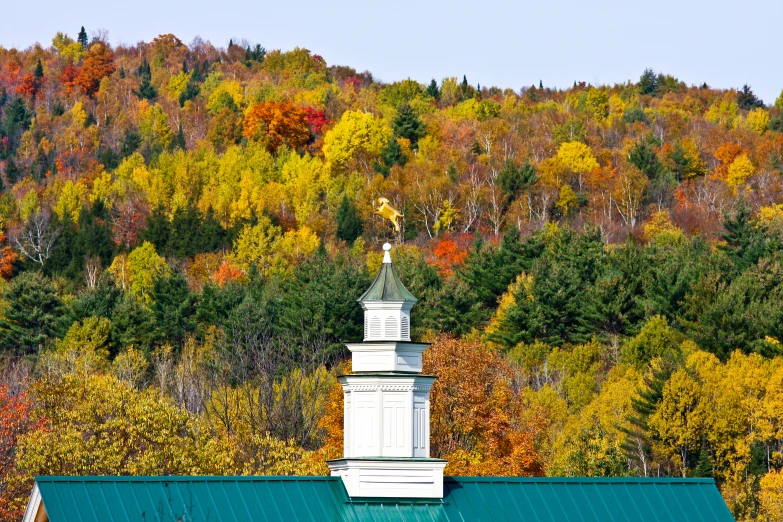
(184, 230)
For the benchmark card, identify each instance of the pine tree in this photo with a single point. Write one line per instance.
(158, 230)
(179, 139)
(39, 72)
(563, 308)
(174, 309)
(82, 38)
(34, 315)
(132, 323)
(747, 99)
(745, 243)
(317, 303)
(349, 224)
(17, 120)
(704, 467)
(408, 125)
(432, 90)
(146, 90)
(513, 179)
(130, 143)
(185, 67)
(390, 156)
(648, 83)
(3, 97)
(638, 443)
(541, 84)
(191, 89)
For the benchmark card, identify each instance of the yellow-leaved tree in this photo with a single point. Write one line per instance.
(739, 171)
(357, 136)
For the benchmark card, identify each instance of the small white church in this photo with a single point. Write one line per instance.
(386, 473)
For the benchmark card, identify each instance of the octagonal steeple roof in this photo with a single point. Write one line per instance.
(387, 285)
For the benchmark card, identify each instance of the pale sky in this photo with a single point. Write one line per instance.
(493, 42)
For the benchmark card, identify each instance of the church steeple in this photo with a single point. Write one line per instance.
(387, 304)
(387, 401)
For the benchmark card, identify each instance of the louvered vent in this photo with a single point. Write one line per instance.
(391, 328)
(375, 328)
(404, 328)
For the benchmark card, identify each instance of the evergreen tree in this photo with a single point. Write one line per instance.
(559, 306)
(643, 156)
(408, 125)
(390, 156)
(747, 100)
(638, 441)
(212, 235)
(183, 234)
(109, 159)
(94, 237)
(146, 90)
(513, 179)
(132, 324)
(191, 89)
(130, 143)
(34, 315)
(17, 119)
(540, 85)
(318, 304)
(144, 71)
(648, 83)
(489, 269)
(98, 301)
(620, 290)
(82, 38)
(63, 257)
(185, 67)
(3, 97)
(179, 139)
(745, 243)
(39, 72)
(433, 90)
(173, 308)
(158, 230)
(349, 223)
(704, 467)
(215, 304)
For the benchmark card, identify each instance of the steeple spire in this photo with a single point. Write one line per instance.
(387, 401)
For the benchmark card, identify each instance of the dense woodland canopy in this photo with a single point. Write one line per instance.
(185, 230)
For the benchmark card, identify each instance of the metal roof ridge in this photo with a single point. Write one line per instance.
(183, 478)
(584, 480)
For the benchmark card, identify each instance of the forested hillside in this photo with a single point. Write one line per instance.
(184, 231)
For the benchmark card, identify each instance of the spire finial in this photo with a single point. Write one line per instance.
(386, 256)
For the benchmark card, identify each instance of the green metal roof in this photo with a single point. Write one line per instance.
(495, 499)
(387, 287)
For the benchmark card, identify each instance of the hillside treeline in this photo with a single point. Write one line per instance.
(186, 228)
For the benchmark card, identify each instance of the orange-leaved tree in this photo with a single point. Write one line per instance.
(472, 422)
(16, 419)
(7, 258)
(278, 123)
(98, 64)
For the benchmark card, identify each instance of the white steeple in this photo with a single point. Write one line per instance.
(387, 401)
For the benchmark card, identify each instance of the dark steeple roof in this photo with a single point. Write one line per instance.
(387, 285)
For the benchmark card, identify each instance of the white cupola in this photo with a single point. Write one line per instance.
(387, 401)
(387, 305)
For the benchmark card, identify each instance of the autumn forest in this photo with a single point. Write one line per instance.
(185, 229)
